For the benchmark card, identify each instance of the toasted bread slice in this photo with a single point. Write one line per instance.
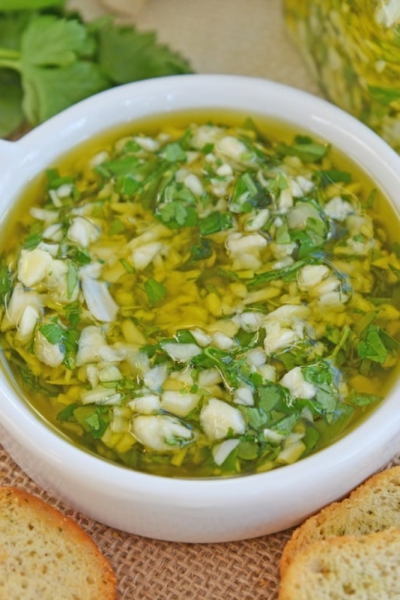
(373, 506)
(365, 567)
(46, 555)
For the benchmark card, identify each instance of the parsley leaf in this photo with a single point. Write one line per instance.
(50, 59)
(175, 214)
(202, 250)
(215, 222)
(128, 55)
(50, 56)
(53, 332)
(155, 290)
(372, 346)
(27, 4)
(362, 399)
(5, 280)
(11, 114)
(305, 149)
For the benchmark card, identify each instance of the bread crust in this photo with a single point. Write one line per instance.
(372, 507)
(45, 554)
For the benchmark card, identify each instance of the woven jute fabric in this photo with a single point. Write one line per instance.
(149, 569)
(156, 570)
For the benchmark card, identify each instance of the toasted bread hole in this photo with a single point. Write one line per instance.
(348, 589)
(90, 579)
(318, 567)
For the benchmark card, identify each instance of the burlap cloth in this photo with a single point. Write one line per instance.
(218, 36)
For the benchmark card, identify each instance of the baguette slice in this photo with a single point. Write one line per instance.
(373, 506)
(45, 555)
(363, 567)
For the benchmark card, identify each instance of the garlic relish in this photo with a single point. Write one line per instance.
(202, 300)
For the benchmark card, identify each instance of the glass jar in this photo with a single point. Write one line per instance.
(353, 49)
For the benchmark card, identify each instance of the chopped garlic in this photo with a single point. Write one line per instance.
(144, 255)
(190, 304)
(99, 300)
(222, 450)
(146, 405)
(49, 354)
(297, 385)
(83, 232)
(181, 352)
(33, 266)
(217, 418)
(180, 404)
(161, 433)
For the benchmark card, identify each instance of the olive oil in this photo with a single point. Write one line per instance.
(207, 295)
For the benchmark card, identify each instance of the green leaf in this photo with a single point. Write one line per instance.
(384, 96)
(61, 60)
(275, 274)
(277, 184)
(340, 420)
(34, 383)
(269, 395)
(13, 5)
(5, 280)
(71, 342)
(79, 256)
(55, 179)
(53, 332)
(305, 149)
(11, 115)
(129, 268)
(72, 279)
(174, 152)
(125, 165)
(175, 214)
(73, 312)
(126, 55)
(155, 290)
(116, 227)
(202, 250)
(215, 222)
(12, 26)
(247, 450)
(362, 399)
(328, 176)
(48, 91)
(67, 413)
(184, 336)
(256, 418)
(371, 346)
(247, 195)
(32, 240)
(53, 42)
(90, 417)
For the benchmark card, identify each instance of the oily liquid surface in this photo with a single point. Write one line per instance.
(206, 290)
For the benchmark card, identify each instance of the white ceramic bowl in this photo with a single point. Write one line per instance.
(195, 510)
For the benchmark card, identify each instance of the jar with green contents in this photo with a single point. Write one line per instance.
(353, 48)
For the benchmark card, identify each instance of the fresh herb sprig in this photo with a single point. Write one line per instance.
(50, 59)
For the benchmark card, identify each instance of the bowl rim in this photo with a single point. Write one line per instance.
(325, 120)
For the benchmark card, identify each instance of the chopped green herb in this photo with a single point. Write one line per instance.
(155, 290)
(215, 222)
(214, 325)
